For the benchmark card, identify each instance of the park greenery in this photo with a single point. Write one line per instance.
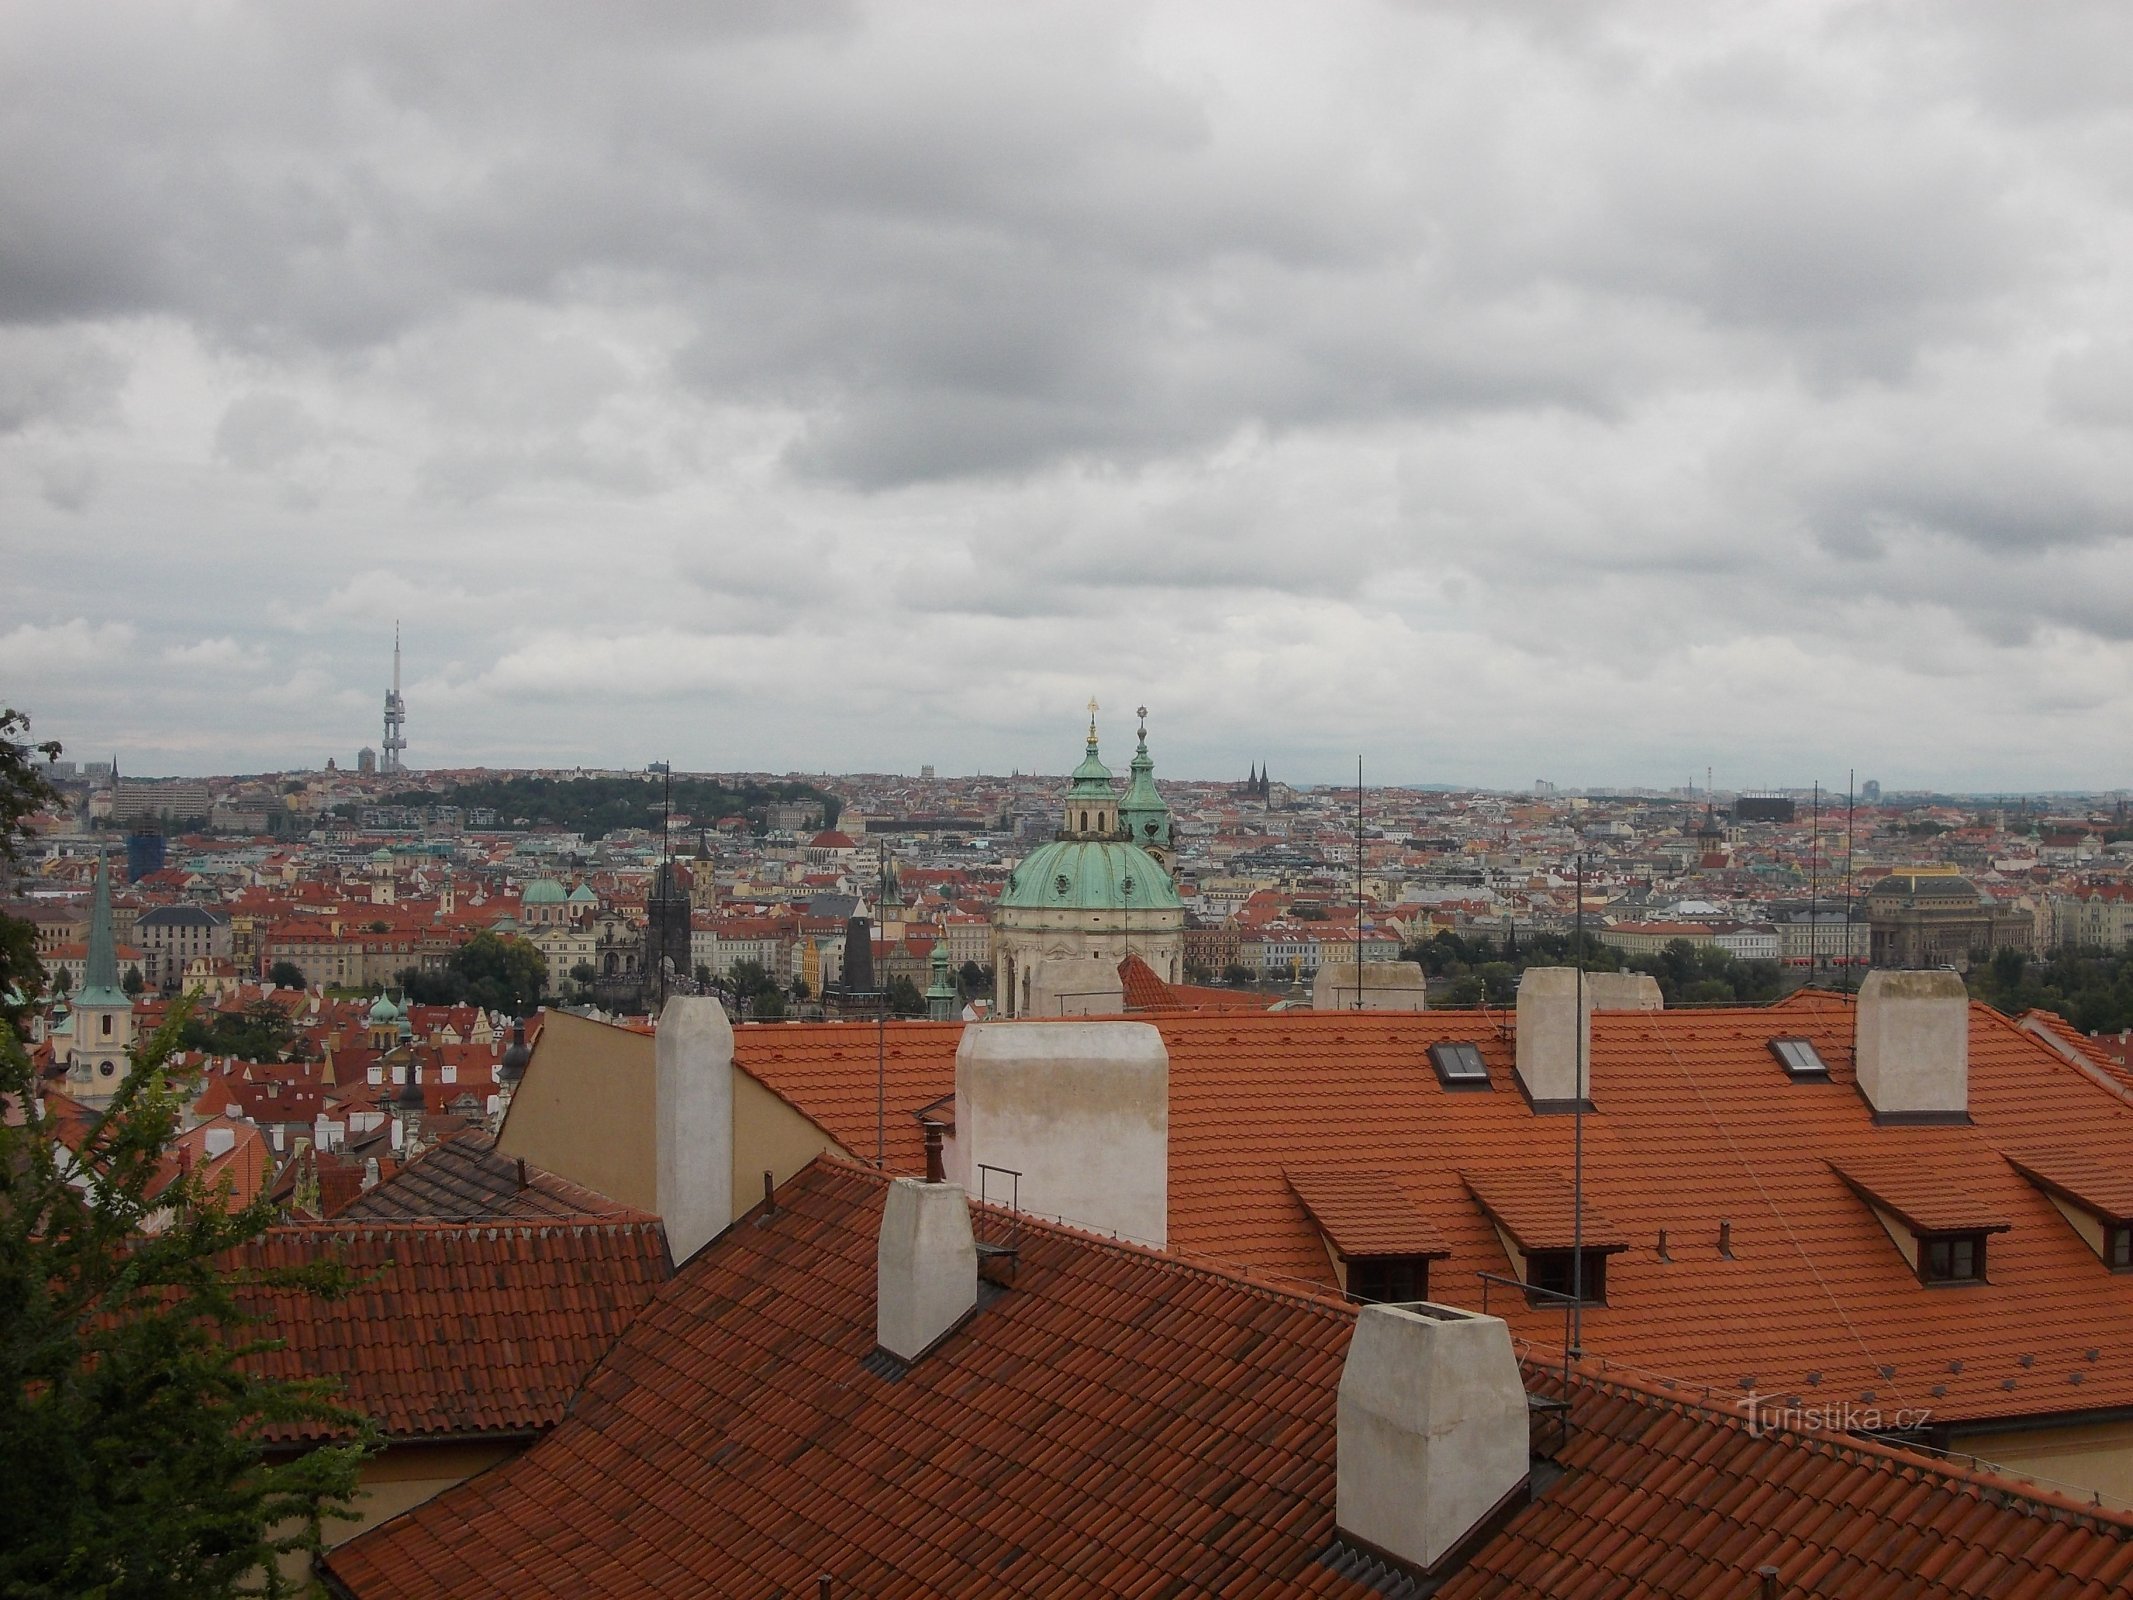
(490, 971)
(2092, 989)
(1482, 971)
(260, 1031)
(596, 807)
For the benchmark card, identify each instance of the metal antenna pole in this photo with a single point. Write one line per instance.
(1851, 780)
(1358, 883)
(1814, 884)
(881, 1024)
(1577, 1135)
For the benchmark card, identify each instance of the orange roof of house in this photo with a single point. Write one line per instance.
(456, 1330)
(1124, 1422)
(1918, 1195)
(1696, 1125)
(1364, 1213)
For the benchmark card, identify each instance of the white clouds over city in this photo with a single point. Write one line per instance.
(1500, 391)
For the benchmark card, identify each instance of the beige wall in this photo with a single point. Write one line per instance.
(768, 1135)
(584, 1112)
(584, 1109)
(399, 1478)
(2084, 1458)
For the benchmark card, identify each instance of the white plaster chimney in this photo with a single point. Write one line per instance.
(1380, 985)
(220, 1141)
(1550, 1026)
(1913, 1046)
(692, 1110)
(1432, 1434)
(925, 1266)
(1081, 1110)
(1076, 986)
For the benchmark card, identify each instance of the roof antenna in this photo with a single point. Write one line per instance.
(881, 1007)
(1358, 882)
(1577, 1135)
(1851, 785)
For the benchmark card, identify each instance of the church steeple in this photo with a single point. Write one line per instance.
(1143, 815)
(1091, 804)
(103, 1012)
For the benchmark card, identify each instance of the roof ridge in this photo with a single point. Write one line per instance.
(1239, 1277)
(2032, 1498)
(456, 1226)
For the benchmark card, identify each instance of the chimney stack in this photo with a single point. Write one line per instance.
(1550, 1027)
(1081, 1110)
(934, 1173)
(1912, 1048)
(693, 1122)
(926, 1266)
(1432, 1436)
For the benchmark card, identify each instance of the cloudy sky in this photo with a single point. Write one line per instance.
(1499, 391)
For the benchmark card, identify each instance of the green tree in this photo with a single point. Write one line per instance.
(504, 975)
(286, 975)
(768, 1004)
(24, 792)
(133, 983)
(132, 1428)
(904, 998)
(262, 1031)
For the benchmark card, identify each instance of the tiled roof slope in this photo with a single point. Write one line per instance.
(1697, 1125)
(463, 1179)
(460, 1330)
(1124, 1423)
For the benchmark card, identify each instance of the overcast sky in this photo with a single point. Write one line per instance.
(1500, 391)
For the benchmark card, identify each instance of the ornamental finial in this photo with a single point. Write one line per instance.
(1092, 719)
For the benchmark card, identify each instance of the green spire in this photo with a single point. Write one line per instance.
(1145, 816)
(1092, 778)
(100, 979)
(940, 998)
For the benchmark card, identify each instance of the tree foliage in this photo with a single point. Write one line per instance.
(2092, 989)
(24, 791)
(1481, 971)
(286, 975)
(490, 971)
(132, 1429)
(262, 1031)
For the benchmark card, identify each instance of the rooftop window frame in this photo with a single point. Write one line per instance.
(1448, 1058)
(1791, 1050)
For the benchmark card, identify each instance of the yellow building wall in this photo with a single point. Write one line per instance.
(2084, 1458)
(396, 1479)
(768, 1135)
(584, 1109)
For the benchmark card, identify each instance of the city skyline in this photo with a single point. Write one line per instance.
(1503, 393)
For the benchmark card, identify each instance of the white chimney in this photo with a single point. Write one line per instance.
(693, 1123)
(1432, 1434)
(1081, 1110)
(1076, 986)
(221, 1140)
(926, 1266)
(1379, 985)
(1550, 1027)
(1913, 1046)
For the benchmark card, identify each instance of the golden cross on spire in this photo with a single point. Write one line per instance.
(1092, 716)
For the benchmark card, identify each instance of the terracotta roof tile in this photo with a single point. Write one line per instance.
(1696, 1126)
(455, 1330)
(1534, 1207)
(1123, 1423)
(1918, 1195)
(1365, 1213)
(2105, 1192)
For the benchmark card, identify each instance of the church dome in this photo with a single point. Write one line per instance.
(383, 1013)
(543, 892)
(1090, 875)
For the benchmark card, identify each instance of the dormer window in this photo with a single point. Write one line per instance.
(2096, 1201)
(1380, 1246)
(1940, 1228)
(1952, 1258)
(1459, 1064)
(1552, 1275)
(1800, 1059)
(1557, 1246)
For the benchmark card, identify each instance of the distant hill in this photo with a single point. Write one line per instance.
(599, 806)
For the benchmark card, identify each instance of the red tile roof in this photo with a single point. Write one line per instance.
(1917, 1195)
(2102, 1191)
(1123, 1423)
(1364, 1213)
(462, 1330)
(1535, 1207)
(1696, 1126)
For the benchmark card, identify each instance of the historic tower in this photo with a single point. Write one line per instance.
(103, 1012)
(395, 716)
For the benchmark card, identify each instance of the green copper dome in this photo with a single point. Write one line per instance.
(1089, 875)
(1144, 815)
(543, 892)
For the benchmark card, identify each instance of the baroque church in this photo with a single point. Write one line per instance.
(1101, 890)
